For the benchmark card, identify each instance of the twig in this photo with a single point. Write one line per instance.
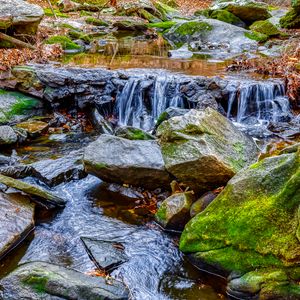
(51, 7)
(16, 42)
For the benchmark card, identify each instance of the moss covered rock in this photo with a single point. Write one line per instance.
(265, 27)
(247, 10)
(256, 36)
(174, 212)
(291, 20)
(203, 149)
(96, 22)
(16, 106)
(253, 224)
(65, 42)
(132, 133)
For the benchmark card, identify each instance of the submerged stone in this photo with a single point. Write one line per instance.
(252, 225)
(203, 149)
(106, 255)
(16, 221)
(135, 162)
(33, 127)
(174, 212)
(41, 280)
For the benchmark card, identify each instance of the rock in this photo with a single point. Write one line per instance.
(140, 162)
(41, 280)
(106, 255)
(130, 25)
(203, 149)
(44, 197)
(18, 171)
(247, 10)
(174, 212)
(291, 20)
(208, 35)
(20, 15)
(200, 205)
(102, 125)
(7, 135)
(296, 5)
(265, 27)
(252, 228)
(132, 133)
(15, 106)
(4, 160)
(181, 53)
(16, 221)
(34, 128)
(56, 171)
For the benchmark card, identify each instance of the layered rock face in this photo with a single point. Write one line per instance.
(21, 15)
(252, 229)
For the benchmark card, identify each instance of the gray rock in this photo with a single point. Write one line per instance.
(106, 255)
(200, 205)
(16, 221)
(21, 15)
(4, 160)
(203, 149)
(174, 212)
(41, 280)
(102, 125)
(7, 135)
(132, 133)
(119, 160)
(56, 171)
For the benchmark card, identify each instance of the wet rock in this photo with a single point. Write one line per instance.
(56, 171)
(41, 280)
(132, 133)
(174, 212)
(130, 25)
(211, 37)
(18, 171)
(34, 128)
(203, 149)
(4, 160)
(7, 135)
(43, 196)
(200, 205)
(106, 255)
(21, 15)
(140, 162)
(16, 221)
(102, 125)
(251, 228)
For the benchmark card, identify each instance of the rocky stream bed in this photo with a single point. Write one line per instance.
(150, 174)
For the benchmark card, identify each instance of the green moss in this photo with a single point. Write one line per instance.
(6, 44)
(162, 25)
(225, 16)
(148, 16)
(291, 20)
(48, 12)
(37, 283)
(190, 28)
(78, 35)
(100, 166)
(161, 214)
(4, 24)
(65, 42)
(84, 13)
(68, 26)
(256, 36)
(265, 27)
(203, 12)
(96, 22)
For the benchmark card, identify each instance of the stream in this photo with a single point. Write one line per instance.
(155, 269)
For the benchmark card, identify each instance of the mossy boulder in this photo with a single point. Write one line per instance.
(256, 36)
(174, 212)
(296, 5)
(20, 16)
(16, 106)
(130, 25)
(65, 42)
(132, 133)
(265, 27)
(247, 10)
(222, 15)
(96, 22)
(252, 225)
(41, 280)
(203, 149)
(291, 20)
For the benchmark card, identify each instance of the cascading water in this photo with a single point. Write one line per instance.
(253, 102)
(139, 104)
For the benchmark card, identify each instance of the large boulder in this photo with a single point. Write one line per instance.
(248, 11)
(253, 225)
(203, 149)
(135, 162)
(41, 280)
(210, 36)
(16, 221)
(21, 15)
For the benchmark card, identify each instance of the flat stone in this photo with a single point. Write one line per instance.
(16, 221)
(106, 255)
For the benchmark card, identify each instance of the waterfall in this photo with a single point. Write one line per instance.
(255, 101)
(139, 104)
